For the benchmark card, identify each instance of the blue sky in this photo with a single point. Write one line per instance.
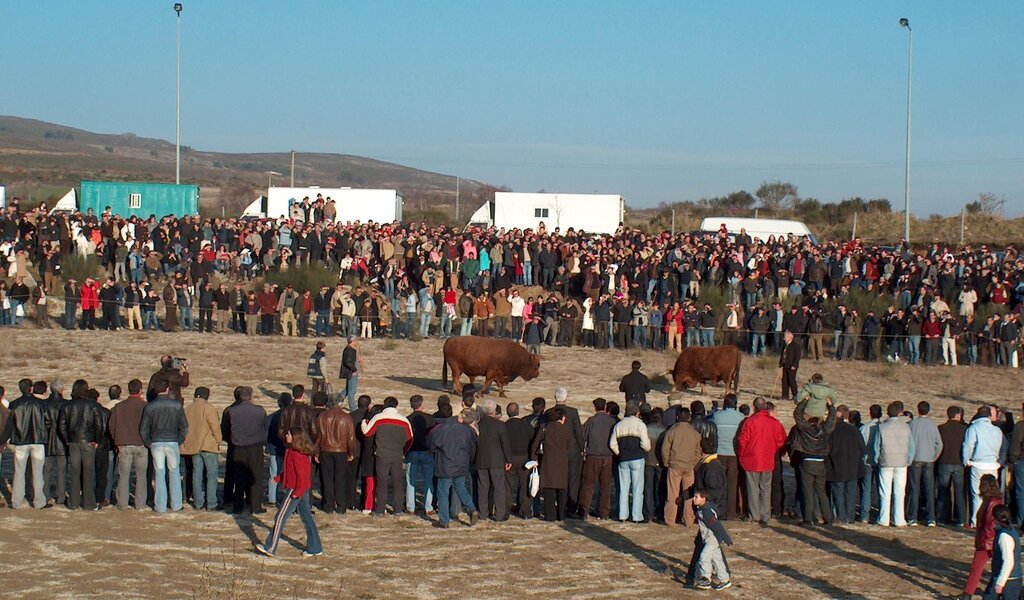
(658, 101)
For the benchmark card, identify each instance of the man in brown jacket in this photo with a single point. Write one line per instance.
(680, 452)
(337, 448)
(202, 443)
(123, 426)
(502, 313)
(483, 310)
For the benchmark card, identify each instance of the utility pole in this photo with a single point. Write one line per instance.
(963, 223)
(177, 106)
(853, 235)
(458, 184)
(906, 168)
(293, 169)
(673, 220)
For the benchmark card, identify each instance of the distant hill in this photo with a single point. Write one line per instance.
(41, 160)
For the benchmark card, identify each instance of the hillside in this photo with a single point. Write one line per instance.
(41, 160)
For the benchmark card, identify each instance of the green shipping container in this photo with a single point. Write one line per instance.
(127, 198)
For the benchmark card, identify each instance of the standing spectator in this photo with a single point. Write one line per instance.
(630, 443)
(453, 443)
(202, 443)
(597, 462)
(951, 504)
(337, 448)
(635, 385)
(870, 482)
(728, 422)
(316, 368)
(244, 424)
(351, 366)
(1006, 570)
(493, 459)
(275, 452)
(520, 434)
(710, 475)
(789, 362)
(811, 440)
(419, 460)
(983, 452)
(654, 481)
(163, 428)
(124, 422)
(81, 424)
(680, 453)
(1016, 456)
(392, 435)
(553, 446)
(56, 449)
(844, 466)
(27, 428)
(758, 443)
(894, 451)
(296, 479)
(985, 534)
(927, 448)
(572, 421)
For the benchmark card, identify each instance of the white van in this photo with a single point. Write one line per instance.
(758, 228)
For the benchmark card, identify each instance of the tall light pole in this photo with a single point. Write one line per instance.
(177, 107)
(906, 169)
(270, 178)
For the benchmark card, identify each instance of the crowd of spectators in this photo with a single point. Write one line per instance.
(943, 304)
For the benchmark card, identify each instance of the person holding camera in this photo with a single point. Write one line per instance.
(175, 372)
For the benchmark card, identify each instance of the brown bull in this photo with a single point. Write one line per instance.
(497, 361)
(703, 365)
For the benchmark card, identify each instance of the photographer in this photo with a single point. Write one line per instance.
(175, 372)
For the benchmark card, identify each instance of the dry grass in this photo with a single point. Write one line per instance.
(198, 555)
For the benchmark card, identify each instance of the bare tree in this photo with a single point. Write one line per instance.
(776, 195)
(986, 204)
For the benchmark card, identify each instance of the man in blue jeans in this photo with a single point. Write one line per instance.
(419, 460)
(950, 470)
(630, 443)
(454, 445)
(163, 429)
(927, 447)
(869, 482)
(1016, 456)
(351, 365)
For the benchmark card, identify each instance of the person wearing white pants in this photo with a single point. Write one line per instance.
(894, 451)
(983, 451)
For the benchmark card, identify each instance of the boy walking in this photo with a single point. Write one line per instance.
(707, 552)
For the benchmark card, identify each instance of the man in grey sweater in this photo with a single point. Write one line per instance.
(893, 449)
(927, 448)
(597, 463)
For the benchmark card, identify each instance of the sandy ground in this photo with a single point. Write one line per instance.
(61, 554)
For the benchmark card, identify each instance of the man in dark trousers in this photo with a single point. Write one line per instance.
(572, 421)
(493, 459)
(392, 436)
(80, 425)
(635, 385)
(351, 366)
(789, 362)
(245, 425)
(597, 464)
(520, 434)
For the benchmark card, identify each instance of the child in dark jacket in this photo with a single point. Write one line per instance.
(296, 480)
(712, 536)
(710, 474)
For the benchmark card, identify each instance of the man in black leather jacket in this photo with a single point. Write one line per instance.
(26, 429)
(81, 425)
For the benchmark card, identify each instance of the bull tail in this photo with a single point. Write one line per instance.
(444, 371)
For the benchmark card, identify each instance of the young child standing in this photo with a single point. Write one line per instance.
(711, 537)
(296, 481)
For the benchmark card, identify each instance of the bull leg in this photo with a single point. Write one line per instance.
(703, 387)
(457, 380)
(501, 381)
(487, 384)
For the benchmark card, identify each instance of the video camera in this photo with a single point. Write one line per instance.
(178, 362)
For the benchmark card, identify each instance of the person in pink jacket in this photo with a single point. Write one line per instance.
(760, 437)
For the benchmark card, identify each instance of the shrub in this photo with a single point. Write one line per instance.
(311, 278)
(78, 267)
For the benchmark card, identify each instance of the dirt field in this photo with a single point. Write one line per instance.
(60, 554)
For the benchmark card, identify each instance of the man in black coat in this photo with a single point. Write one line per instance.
(572, 421)
(845, 465)
(635, 384)
(520, 432)
(493, 459)
(789, 362)
(81, 425)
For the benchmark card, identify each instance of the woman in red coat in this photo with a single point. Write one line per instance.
(90, 302)
(986, 533)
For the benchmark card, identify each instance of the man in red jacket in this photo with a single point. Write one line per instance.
(90, 302)
(759, 439)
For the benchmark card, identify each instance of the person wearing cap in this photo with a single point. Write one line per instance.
(322, 308)
(202, 444)
(72, 298)
(316, 368)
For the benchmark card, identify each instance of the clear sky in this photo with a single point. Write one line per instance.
(658, 101)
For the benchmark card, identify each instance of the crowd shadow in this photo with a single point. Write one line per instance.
(930, 571)
(825, 587)
(656, 561)
(426, 383)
